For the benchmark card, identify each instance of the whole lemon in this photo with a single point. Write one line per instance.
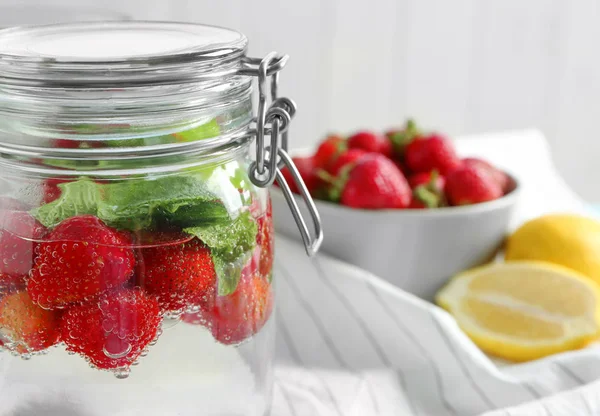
(567, 239)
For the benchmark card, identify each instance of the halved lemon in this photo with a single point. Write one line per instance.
(522, 311)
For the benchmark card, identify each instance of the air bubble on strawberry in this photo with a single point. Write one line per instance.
(114, 330)
(28, 327)
(262, 257)
(265, 242)
(178, 276)
(235, 318)
(81, 258)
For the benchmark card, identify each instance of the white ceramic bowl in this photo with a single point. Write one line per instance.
(417, 250)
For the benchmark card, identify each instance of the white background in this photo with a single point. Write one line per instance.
(460, 66)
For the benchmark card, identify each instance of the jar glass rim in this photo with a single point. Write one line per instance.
(118, 52)
(161, 160)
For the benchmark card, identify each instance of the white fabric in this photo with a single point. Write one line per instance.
(350, 344)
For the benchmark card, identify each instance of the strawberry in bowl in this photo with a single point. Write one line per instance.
(406, 206)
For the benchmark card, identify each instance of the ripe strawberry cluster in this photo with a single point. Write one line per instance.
(103, 292)
(403, 168)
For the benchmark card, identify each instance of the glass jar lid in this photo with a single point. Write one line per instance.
(118, 53)
(129, 84)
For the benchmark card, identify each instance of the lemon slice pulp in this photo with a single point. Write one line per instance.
(524, 310)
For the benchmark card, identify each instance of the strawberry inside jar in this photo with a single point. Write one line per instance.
(136, 235)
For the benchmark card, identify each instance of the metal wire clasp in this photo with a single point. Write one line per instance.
(274, 120)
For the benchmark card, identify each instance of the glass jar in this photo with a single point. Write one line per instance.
(136, 239)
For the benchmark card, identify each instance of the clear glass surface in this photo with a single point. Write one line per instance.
(135, 254)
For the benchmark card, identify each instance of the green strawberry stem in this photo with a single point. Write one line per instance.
(326, 176)
(336, 183)
(430, 199)
(429, 193)
(402, 138)
(342, 146)
(433, 177)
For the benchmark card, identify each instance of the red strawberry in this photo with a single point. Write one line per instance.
(179, 276)
(424, 178)
(500, 177)
(402, 167)
(328, 151)
(18, 234)
(345, 159)
(386, 148)
(289, 179)
(306, 168)
(66, 144)
(365, 140)
(236, 317)
(81, 258)
(26, 324)
(262, 257)
(265, 242)
(416, 203)
(376, 183)
(113, 330)
(471, 185)
(51, 191)
(11, 204)
(432, 152)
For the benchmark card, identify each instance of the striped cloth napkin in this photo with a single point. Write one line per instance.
(351, 344)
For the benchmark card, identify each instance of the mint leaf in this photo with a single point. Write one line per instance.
(228, 273)
(77, 198)
(182, 200)
(172, 200)
(233, 238)
(139, 142)
(230, 244)
(201, 132)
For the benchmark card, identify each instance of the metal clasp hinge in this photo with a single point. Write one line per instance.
(274, 120)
